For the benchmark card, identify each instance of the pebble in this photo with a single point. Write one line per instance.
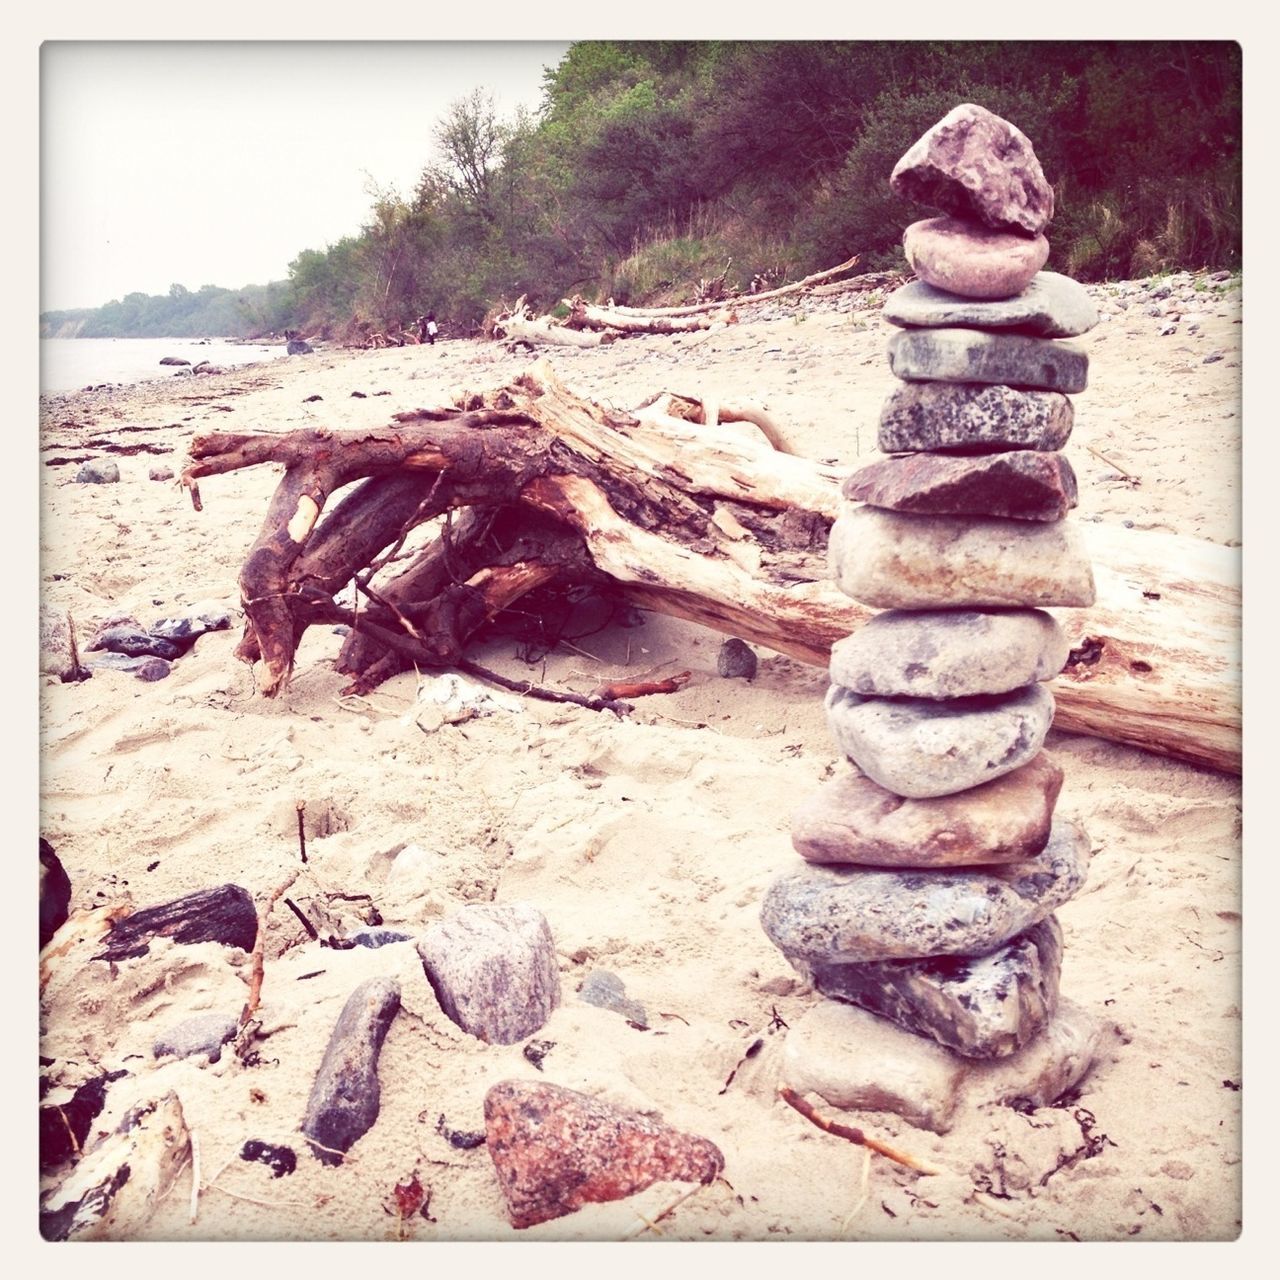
(887, 560)
(1021, 485)
(98, 471)
(555, 1150)
(375, 938)
(949, 653)
(979, 1006)
(976, 164)
(279, 1159)
(855, 820)
(151, 669)
(970, 260)
(606, 990)
(856, 1061)
(205, 1033)
(972, 417)
(922, 747)
(736, 660)
(1050, 306)
(493, 970)
(970, 355)
(345, 1098)
(134, 643)
(160, 473)
(840, 915)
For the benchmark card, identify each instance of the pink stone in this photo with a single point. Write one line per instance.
(977, 165)
(967, 259)
(555, 1150)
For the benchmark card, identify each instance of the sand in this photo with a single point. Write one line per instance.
(648, 843)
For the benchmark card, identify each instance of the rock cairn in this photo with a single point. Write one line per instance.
(933, 869)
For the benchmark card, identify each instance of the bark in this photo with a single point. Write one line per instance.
(705, 521)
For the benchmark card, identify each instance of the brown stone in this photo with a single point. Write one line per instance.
(975, 164)
(555, 1150)
(972, 261)
(856, 821)
(1020, 485)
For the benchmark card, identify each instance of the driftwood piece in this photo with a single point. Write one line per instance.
(225, 914)
(585, 315)
(692, 520)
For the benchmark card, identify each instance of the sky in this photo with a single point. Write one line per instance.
(217, 163)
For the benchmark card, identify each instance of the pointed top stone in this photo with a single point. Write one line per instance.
(974, 164)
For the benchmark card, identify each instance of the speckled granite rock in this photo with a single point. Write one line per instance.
(975, 164)
(856, 821)
(980, 1006)
(1022, 485)
(830, 915)
(1051, 306)
(554, 1150)
(970, 355)
(856, 1061)
(971, 260)
(888, 560)
(972, 417)
(345, 1097)
(493, 970)
(919, 747)
(949, 653)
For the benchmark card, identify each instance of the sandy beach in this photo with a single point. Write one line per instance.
(647, 842)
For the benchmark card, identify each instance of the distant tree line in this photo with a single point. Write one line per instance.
(651, 165)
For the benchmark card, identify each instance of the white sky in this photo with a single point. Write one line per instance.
(217, 163)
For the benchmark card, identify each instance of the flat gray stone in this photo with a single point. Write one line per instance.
(98, 471)
(969, 259)
(493, 970)
(853, 820)
(888, 560)
(606, 990)
(949, 653)
(1051, 306)
(840, 915)
(920, 747)
(975, 164)
(972, 418)
(346, 1097)
(980, 1006)
(205, 1033)
(855, 1061)
(970, 355)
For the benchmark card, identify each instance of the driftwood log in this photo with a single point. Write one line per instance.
(532, 485)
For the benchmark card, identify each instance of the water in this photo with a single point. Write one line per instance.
(68, 364)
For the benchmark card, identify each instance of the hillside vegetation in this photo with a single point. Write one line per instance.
(652, 165)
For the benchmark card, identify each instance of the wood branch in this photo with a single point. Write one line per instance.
(585, 315)
(546, 332)
(688, 519)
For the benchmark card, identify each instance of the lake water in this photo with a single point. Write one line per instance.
(68, 364)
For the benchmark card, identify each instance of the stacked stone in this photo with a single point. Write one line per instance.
(934, 868)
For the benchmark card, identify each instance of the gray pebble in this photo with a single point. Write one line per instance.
(736, 660)
(605, 990)
(206, 1033)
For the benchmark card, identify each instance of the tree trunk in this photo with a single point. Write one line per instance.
(705, 522)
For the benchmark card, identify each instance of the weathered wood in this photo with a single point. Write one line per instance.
(706, 522)
(225, 914)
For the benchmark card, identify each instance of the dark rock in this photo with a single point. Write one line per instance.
(297, 347)
(205, 1033)
(1051, 306)
(969, 355)
(605, 990)
(974, 164)
(280, 1160)
(1022, 485)
(225, 914)
(346, 1097)
(64, 1127)
(736, 660)
(1212, 358)
(375, 938)
(921, 747)
(892, 561)
(972, 418)
(160, 473)
(493, 970)
(151, 669)
(535, 1052)
(55, 893)
(555, 1150)
(849, 916)
(949, 653)
(980, 1006)
(462, 1139)
(175, 360)
(134, 643)
(854, 820)
(971, 260)
(100, 471)
(185, 629)
(312, 399)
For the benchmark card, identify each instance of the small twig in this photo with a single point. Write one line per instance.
(301, 806)
(259, 949)
(306, 924)
(1102, 457)
(651, 1224)
(268, 1204)
(639, 688)
(863, 1190)
(793, 1099)
(592, 702)
(195, 1173)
